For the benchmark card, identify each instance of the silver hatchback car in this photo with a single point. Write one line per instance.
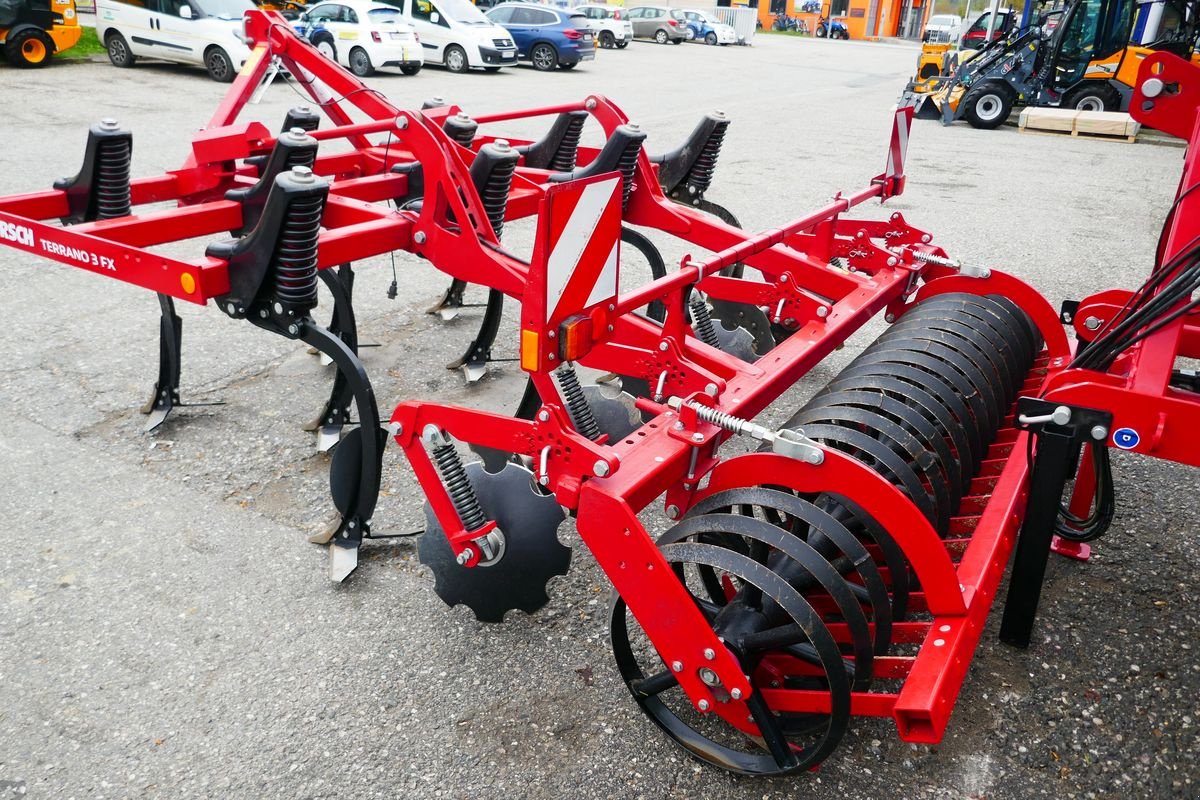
(659, 23)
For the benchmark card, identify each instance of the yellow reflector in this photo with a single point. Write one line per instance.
(530, 357)
(187, 282)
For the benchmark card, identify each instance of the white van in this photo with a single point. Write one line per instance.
(457, 34)
(204, 32)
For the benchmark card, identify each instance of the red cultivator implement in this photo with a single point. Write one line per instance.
(846, 564)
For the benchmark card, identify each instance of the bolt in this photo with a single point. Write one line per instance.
(551, 356)
(294, 330)
(697, 437)
(634, 126)
(662, 346)
(302, 174)
(822, 312)
(550, 334)
(464, 558)
(1152, 87)
(612, 307)
(502, 144)
(263, 313)
(890, 317)
(298, 133)
(709, 677)
(109, 124)
(419, 237)
(893, 261)
(1099, 433)
(590, 105)
(678, 426)
(709, 653)
(672, 512)
(1091, 323)
(232, 308)
(278, 308)
(735, 693)
(711, 389)
(926, 238)
(702, 705)
(351, 525)
(677, 666)
(402, 122)
(543, 416)
(600, 468)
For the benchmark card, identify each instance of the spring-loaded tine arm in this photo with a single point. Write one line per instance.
(785, 442)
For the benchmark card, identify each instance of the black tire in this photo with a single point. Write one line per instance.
(568, 66)
(543, 57)
(29, 47)
(327, 48)
(661, 36)
(219, 65)
(987, 105)
(118, 50)
(410, 69)
(622, 45)
(455, 59)
(1092, 96)
(710, 38)
(822, 31)
(607, 40)
(360, 63)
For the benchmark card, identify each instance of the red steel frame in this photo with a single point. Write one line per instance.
(675, 454)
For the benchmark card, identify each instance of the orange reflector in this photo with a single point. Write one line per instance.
(530, 357)
(575, 337)
(187, 282)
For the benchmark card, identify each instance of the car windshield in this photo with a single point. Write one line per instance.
(464, 11)
(384, 15)
(224, 9)
(677, 14)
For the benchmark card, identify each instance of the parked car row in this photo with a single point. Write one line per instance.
(366, 35)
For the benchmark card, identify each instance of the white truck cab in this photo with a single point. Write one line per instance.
(456, 34)
(204, 32)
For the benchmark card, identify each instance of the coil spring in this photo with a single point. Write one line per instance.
(495, 194)
(702, 322)
(568, 149)
(577, 404)
(295, 262)
(461, 129)
(719, 418)
(701, 173)
(112, 178)
(462, 494)
(626, 165)
(300, 157)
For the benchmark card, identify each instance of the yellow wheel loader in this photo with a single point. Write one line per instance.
(31, 31)
(1084, 61)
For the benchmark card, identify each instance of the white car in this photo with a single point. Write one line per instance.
(708, 29)
(609, 25)
(456, 34)
(943, 28)
(205, 32)
(362, 35)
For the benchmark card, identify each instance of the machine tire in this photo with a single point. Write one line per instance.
(710, 38)
(360, 63)
(607, 40)
(220, 67)
(118, 50)
(410, 69)
(1089, 97)
(29, 47)
(661, 37)
(543, 57)
(326, 47)
(822, 31)
(987, 105)
(622, 45)
(455, 59)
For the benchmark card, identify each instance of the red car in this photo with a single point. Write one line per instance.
(974, 37)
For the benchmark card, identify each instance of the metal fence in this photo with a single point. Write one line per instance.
(743, 20)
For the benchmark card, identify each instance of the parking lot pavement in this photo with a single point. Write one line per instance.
(166, 631)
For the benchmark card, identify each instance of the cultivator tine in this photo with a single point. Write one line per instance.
(336, 413)
(166, 389)
(686, 172)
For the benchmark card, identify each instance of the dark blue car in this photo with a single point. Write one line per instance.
(549, 37)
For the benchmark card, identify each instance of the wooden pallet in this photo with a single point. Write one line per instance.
(1104, 124)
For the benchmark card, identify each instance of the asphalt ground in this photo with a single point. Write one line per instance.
(167, 631)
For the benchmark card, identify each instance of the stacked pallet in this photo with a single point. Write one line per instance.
(1109, 124)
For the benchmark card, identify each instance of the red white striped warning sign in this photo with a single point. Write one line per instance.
(584, 235)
